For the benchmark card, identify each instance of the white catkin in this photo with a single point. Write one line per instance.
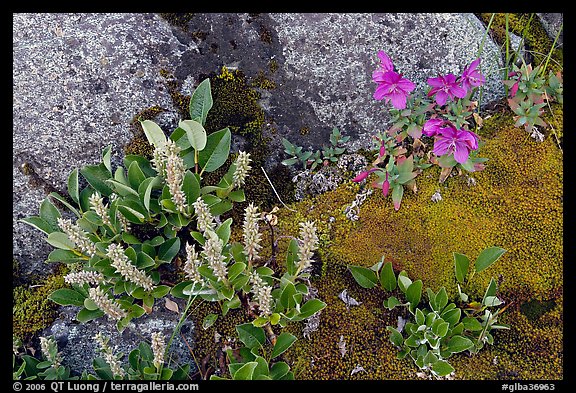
(242, 168)
(45, 345)
(78, 236)
(121, 263)
(97, 204)
(263, 294)
(109, 357)
(175, 171)
(213, 254)
(250, 232)
(84, 277)
(308, 244)
(110, 307)
(204, 219)
(192, 263)
(158, 348)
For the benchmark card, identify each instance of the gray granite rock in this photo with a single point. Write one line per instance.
(552, 21)
(78, 347)
(78, 79)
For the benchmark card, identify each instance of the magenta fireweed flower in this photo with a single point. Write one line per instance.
(392, 87)
(385, 61)
(445, 86)
(471, 77)
(386, 186)
(363, 175)
(450, 140)
(432, 127)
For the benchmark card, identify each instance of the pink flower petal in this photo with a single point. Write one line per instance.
(461, 153)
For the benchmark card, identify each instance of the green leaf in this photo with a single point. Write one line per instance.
(487, 257)
(60, 240)
(160, 291)
(310, 308)
(442, 368)
(459, 344)
(414, 292)
(397, 193)
(169, 249)
(441, 299)
(64, 256)
(461, 265)
(153, 133)
(67, 297)
(223, 231)
(135, 175)
(237, 196)
(97, 175)
(245, 372)
(391, 302)
(216, 151)
(365, 277)
(490, 290)
(491, 301)
(73, 189)
(209, 320)
(440, 328)
(278, 370)
(86, 315)
(132, 211)
(201, 102)
(283, 342)
(250, 335)
(220, 208)
(420, 318)
(50, 214)
(37, 223)
(452, 316)
(395, 336)
(287, 295)
(472, 324)
(387, 277)
(191, 188)
(403, 281)
(143, 163)
(195, 132)
(90, 305)
(63, 201)
(235, 270)
(121, 189)
(106, 158)
(291, 257)
(177, 290)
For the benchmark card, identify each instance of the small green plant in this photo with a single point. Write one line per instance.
(48, 367)
(530, 92)
(144, 363)
(253, 360)
(127, 223)
(311, 159)
(438, 328)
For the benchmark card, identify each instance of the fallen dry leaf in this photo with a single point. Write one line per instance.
(171, 305)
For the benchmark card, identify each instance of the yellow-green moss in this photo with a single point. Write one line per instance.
(516, 204)
(31, 309)
(262, 82)
(536, 38)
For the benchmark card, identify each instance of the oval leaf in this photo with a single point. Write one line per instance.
(209, 320)
(442, 368)
(461, 264)
(414, 292)
(60, 240)
(246, 371)
(195, 132)
(201, 102)
(67, 297)
(50, 214)
(216, 151)
(487, 257)
(459, 344)
(153, 133)
(73, 189)
(283, 342)
(364, 276)
(250, 335)
(387, 277)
